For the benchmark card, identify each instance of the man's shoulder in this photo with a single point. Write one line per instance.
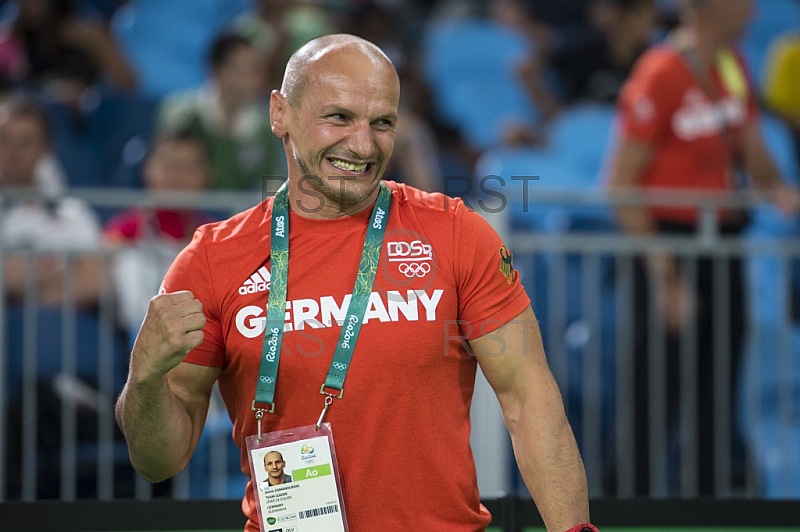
(426, 203)
(242, 225)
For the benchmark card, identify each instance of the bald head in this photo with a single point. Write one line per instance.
(272, 455)
(330, 52)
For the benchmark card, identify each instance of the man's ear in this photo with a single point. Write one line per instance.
(278, 113)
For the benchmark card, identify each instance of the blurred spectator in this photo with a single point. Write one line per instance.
(47, 34)
(279, 27)
(688, 115)
(595, 67)
(56, 222)
(177, 163)
(230, 117)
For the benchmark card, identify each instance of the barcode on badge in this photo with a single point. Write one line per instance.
(316, 512)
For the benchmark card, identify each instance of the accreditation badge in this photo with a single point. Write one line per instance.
(296, 480)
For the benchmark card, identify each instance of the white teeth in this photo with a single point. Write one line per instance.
(344, 165)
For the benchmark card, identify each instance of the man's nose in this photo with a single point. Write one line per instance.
(361, 140)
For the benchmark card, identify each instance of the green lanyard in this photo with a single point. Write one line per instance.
(276, 305)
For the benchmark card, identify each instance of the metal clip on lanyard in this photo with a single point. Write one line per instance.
(276, 306)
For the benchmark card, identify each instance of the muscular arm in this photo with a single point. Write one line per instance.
(163, 407)
(513, 360)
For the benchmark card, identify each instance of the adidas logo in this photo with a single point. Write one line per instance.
(258, 282)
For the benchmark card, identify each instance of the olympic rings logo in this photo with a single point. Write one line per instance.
(267, 380)
(340, 366)
(414, 269)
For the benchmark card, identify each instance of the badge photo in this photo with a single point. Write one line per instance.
(295, 480)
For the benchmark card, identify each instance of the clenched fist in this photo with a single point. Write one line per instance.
(173, 327)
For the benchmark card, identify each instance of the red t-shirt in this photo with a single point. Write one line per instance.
(664, 106)
(402, 428)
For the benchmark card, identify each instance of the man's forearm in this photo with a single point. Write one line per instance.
(157, 428)
(550, 463)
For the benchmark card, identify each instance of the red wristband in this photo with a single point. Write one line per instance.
(584, 527)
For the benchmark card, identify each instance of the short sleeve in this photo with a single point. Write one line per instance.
(190, 271)
(490, 293)
(648, 101)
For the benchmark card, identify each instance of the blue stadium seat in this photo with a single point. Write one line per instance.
(92, 147)
(773, 17)
(130, 120)
(556, 171)
(550, 172)
(583, 133)
(78, 144)
(167, 42)
(471, 66)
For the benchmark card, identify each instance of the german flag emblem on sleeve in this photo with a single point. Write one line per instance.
(506, 266)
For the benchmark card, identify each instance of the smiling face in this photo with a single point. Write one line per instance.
(338, 128)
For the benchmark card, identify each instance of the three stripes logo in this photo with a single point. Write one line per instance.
(258, 282)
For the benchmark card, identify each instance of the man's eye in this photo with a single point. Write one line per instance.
(338, 116)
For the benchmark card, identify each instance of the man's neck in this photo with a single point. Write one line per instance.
(313, 205)
(278, 481)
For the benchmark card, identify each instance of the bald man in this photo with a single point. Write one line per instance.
(443, 285)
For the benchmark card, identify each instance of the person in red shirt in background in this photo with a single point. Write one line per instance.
(177, 162)
(688, 121)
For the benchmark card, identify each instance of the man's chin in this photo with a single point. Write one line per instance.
(349, 193)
